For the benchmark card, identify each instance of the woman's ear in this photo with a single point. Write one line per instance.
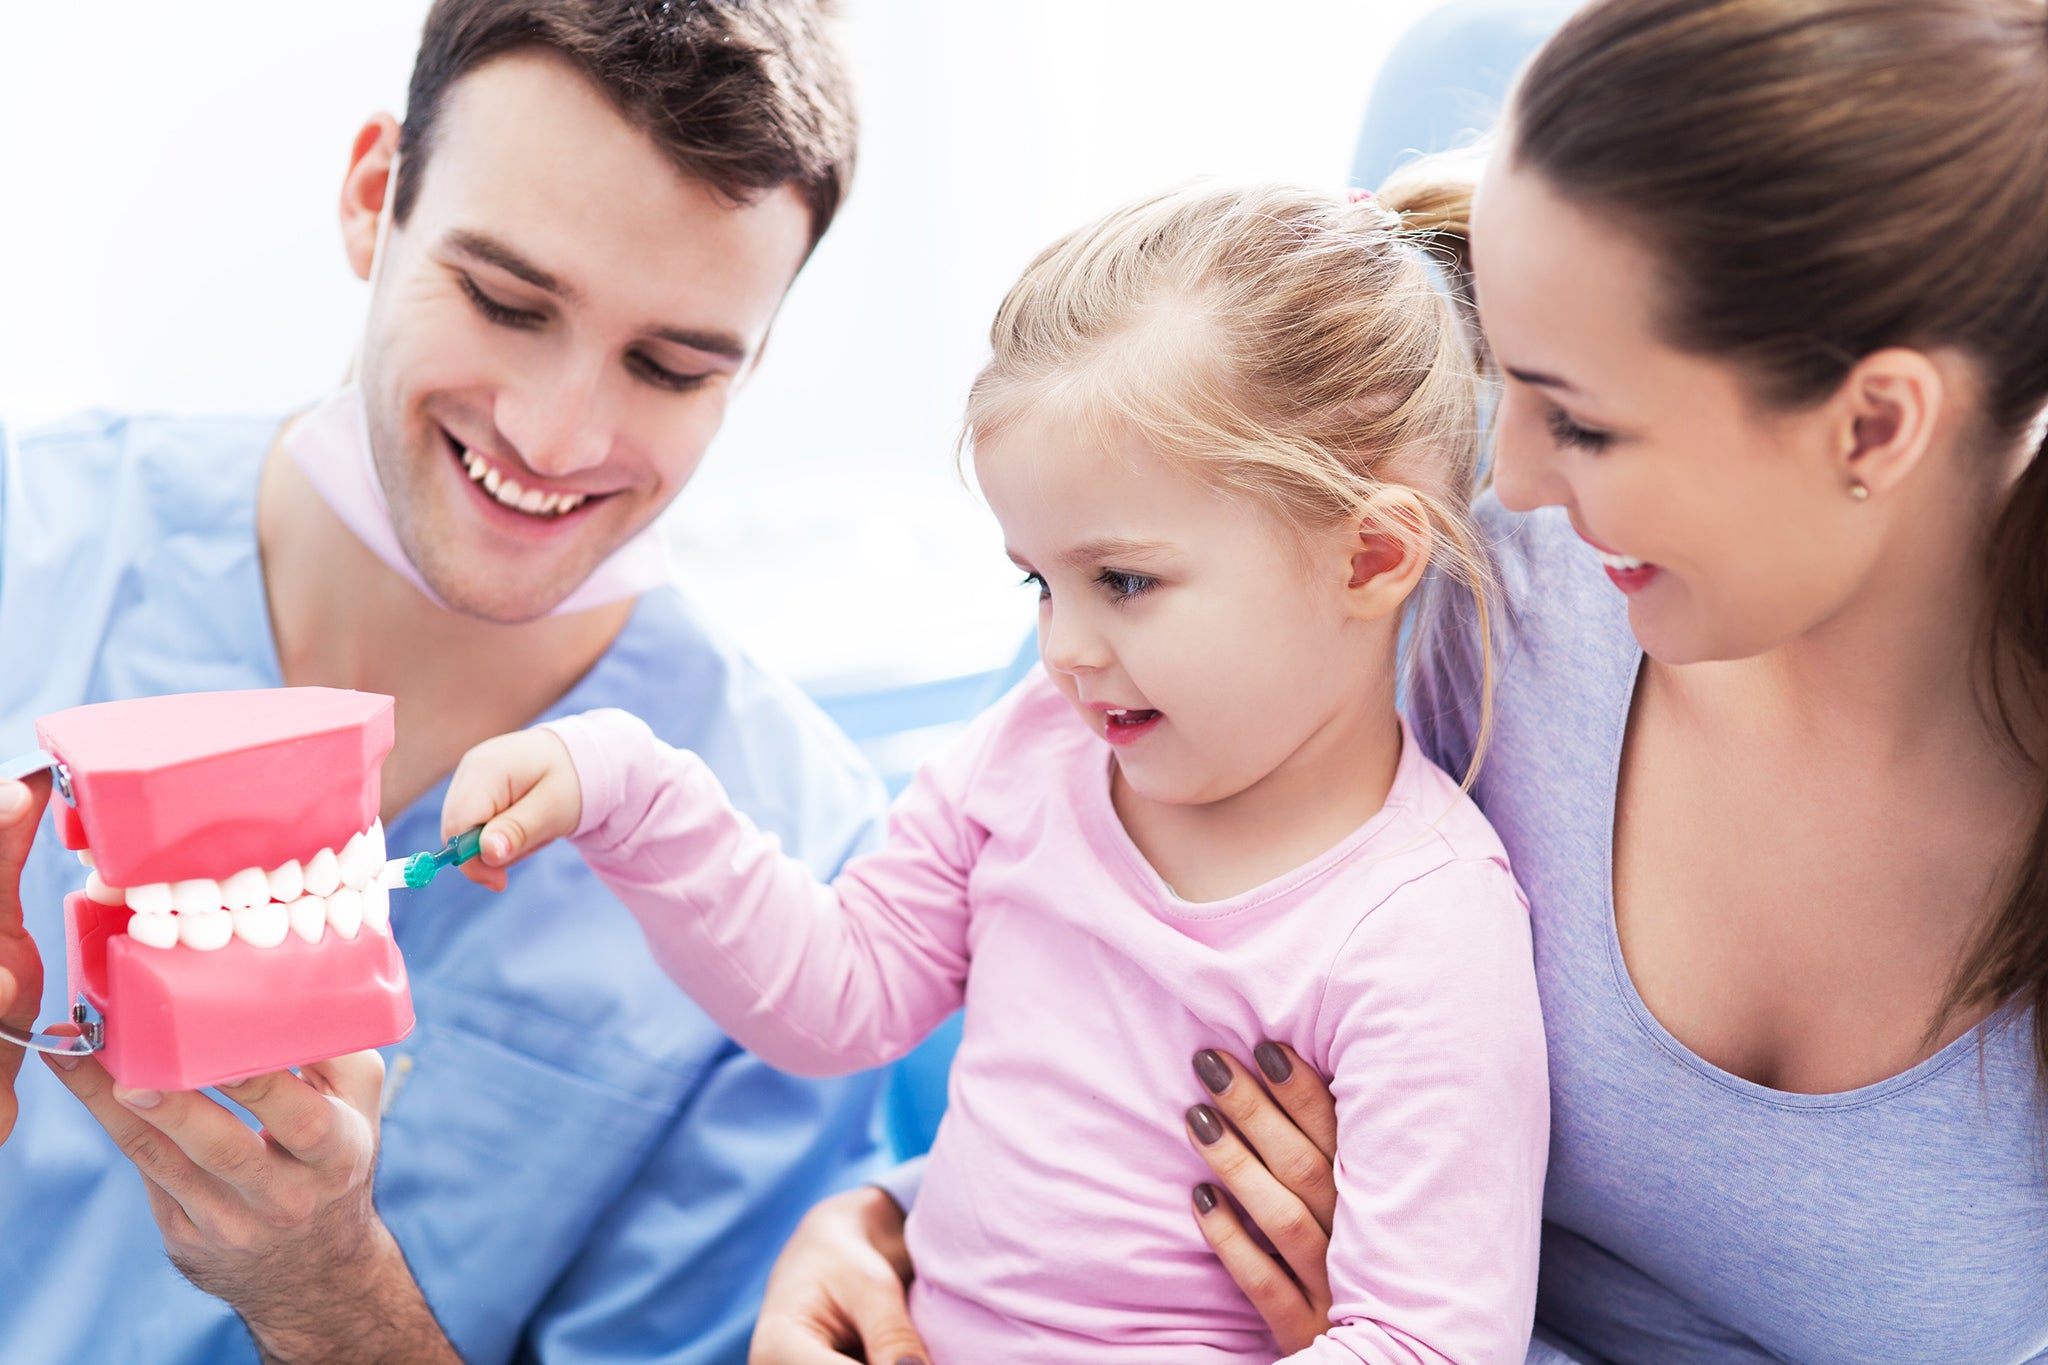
(1887, 412)
(364, 188)
(1386, 554)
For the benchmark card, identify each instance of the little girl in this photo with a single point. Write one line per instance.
(1225, 433)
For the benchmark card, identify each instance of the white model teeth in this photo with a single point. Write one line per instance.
(158, 931)
(287, 883)
(85, 857)
(534, 502)
(205, 929)
(195, 897)
(333, 890)
(1621, 563)
(323, 873)
(308, 915)
(262, 926)
(248, 888)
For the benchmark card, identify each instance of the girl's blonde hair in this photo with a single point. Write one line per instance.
(1306, 351)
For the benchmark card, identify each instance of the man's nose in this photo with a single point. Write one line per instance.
(560, 424)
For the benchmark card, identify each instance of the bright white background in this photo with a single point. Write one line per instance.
(168, 243)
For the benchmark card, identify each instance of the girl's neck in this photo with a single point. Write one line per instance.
(1319, 795)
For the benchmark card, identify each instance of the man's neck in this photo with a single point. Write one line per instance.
(343, 618)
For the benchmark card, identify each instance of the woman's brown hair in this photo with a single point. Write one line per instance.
(1821, 179)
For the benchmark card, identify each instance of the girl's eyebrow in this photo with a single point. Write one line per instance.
(1114, 547)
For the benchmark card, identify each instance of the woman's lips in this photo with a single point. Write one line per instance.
(1629, 574)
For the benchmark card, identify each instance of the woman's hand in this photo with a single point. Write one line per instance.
(1272, 1147)
(839, 1286)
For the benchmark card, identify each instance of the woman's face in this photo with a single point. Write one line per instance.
(1729, 528)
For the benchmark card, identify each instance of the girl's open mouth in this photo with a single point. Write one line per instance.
(1125, 726)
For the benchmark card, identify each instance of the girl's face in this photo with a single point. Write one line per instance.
(1729, 528)
(1187, 628)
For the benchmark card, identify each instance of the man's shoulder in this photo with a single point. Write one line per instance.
(181, 470)
(779, 758)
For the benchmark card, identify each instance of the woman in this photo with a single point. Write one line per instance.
(1767, 281)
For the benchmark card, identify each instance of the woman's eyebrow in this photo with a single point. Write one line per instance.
(1544, 381)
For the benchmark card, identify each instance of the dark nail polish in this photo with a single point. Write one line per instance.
(1205, 1199)
(1208, 1128)
(1273, 1062)
(1213, 1070)
(910, 1360)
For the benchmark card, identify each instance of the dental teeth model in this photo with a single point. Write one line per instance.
(233, 921)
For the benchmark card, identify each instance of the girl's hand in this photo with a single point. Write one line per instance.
(522, 788)
(838, 1287)
(1272, 1147)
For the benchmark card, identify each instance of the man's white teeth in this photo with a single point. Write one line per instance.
(337, 890)
(1621, 563)
(510, 492)
(323, 873)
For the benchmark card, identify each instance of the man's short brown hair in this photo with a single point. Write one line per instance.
(746, 95)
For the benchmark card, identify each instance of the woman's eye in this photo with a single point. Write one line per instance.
(1566, 432)
(661, 376)
(1032, 580)
(1124, 586)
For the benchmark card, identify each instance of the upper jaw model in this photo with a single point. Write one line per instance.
(233, 922)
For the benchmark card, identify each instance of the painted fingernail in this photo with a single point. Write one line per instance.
(911, 1360)
(1208, 1128)
(63, 1061)
(1205, 1198)
(1273, 1062)
(1213, 1070)
(138, 1099)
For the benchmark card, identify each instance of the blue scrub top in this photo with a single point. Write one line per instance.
(577, 1163)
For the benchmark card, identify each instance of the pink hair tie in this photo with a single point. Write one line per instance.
(1361, 196)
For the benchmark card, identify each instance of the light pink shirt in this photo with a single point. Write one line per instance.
(1054, 1224)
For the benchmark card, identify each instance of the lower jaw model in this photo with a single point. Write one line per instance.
(233, 922)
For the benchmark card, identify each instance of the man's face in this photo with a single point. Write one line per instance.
(555, 332)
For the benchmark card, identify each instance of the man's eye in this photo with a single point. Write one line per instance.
(501, 314)
(661, 376)
(1124, 586)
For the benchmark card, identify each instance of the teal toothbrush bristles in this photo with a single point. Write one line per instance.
(421, 867)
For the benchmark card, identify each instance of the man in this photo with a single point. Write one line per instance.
(576, 246)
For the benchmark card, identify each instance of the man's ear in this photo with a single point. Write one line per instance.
(1886, 412)
(363, 190)
(1386, 551)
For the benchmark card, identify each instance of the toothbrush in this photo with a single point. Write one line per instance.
(416, 871)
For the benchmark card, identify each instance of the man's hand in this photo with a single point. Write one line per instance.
(839, 1286)
(522, 788)
(279, 1223)
(21, 966)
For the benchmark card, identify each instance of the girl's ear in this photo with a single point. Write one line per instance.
(1386, 554)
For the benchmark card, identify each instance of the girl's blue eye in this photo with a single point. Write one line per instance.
(1566, 432)
(1032, 580)
(1124, 586)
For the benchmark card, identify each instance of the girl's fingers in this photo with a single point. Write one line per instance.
(1291, 1154)
(1294, 1319)
(1289, 1224)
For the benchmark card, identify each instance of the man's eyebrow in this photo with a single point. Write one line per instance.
(724, 345)
(490, 250)
(1543, 381)
(494, 252)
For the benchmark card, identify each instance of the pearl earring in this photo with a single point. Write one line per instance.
(1858, 491)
